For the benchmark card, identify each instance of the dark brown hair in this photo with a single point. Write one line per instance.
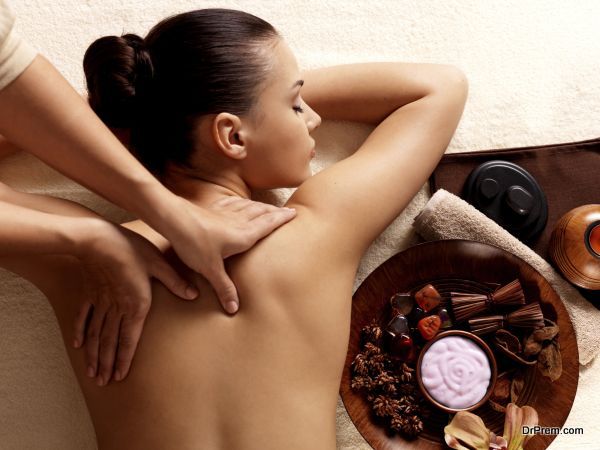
(201, 62)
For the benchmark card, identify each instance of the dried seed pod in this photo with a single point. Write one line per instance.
(501, 392)
(516, 386)
(531, 346)
(509, 345)
(534, 343)
(547, 333)
(550, 361)
(508, 341)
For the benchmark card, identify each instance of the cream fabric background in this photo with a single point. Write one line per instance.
(532, 68)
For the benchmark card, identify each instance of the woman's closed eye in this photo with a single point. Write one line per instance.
(298, 109)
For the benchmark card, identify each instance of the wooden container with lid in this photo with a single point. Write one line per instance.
(575, 246)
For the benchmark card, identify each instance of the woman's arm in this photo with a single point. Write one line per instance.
(417, 108)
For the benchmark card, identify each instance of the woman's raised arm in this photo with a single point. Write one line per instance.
(369, 92)
(417, 108)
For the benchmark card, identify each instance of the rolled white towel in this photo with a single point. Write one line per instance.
(447, 216)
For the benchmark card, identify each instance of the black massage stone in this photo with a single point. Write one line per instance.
(509, 195)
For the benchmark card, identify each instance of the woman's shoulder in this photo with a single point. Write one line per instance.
(302, 251)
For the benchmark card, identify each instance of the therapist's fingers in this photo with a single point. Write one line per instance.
(254, 209)
(92, 339)
(223, 286)
(108, 346)
(129, 337)
(79, 324)
(160, 269)
(265, 223)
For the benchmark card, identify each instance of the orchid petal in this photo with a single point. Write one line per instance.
(469, 429)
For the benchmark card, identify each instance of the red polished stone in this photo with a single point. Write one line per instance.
(428, 298)
(429, 326)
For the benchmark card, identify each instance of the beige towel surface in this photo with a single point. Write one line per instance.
(447, 216)
(505, 48)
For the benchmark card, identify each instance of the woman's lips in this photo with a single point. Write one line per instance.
(313, 152)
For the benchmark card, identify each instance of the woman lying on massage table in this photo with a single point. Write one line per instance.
(222, 90)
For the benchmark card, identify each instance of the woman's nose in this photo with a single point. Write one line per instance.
(313, 119)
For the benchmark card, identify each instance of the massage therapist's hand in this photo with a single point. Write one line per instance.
(118, 265)
(204, 237)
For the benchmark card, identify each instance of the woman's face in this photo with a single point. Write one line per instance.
(278, 143)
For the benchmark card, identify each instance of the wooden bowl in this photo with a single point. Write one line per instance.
(490, 356)
(575, 246)
(477, 268)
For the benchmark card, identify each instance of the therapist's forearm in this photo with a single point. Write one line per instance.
(42, 114)
(26, 231)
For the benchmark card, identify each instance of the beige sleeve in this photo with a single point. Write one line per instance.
(15, 54)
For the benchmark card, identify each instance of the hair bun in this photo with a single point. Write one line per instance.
(117, 71)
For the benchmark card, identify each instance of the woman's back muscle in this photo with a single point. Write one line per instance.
(268, 376)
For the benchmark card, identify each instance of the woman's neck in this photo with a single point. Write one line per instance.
(203, 189)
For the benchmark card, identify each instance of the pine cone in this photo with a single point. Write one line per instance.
(389, 384)
(408, 409)
(372, 334)
(359, 383)
(371, 350)
(413, 426)
(376, 364)
(385, 406)
(360, 366)
(386, 382)
(397, 422)
(406, 374)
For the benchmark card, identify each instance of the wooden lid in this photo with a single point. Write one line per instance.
(575, 246)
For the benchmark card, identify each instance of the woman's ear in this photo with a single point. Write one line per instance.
(229, 136)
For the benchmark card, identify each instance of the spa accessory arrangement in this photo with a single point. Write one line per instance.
(456, 352)
(461, 344)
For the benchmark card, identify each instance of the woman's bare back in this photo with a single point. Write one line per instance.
(265, 378)
(268, 377)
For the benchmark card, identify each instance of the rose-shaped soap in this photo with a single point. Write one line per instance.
(456, 372)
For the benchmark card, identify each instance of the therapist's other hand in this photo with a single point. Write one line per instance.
(118, 265)
(203, 237)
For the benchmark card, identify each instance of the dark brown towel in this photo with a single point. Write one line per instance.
(569, 175)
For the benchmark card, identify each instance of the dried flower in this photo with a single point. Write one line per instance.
(359, 383)
(467, 431)
(372, 334)
(514, 421)
(388, 384)
(411, 426)
(407, 374)
(385, 406)
(371, 349)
